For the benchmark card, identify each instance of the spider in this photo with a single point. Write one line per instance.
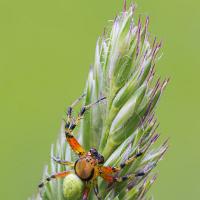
(89, 165)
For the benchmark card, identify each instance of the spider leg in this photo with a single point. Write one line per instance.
(63, 162)
(82, 112)
(112, 170)
(129, 161)
(54, 176)
(76, 147)
(128, 176)
(86, 192)
(70, 108)
(106, 172)
(96, 189)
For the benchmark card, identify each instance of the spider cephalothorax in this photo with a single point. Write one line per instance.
(95, 154)
(89, 166)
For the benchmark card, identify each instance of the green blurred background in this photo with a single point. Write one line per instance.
(46, 48)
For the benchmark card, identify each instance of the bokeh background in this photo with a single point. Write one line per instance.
(46, 48)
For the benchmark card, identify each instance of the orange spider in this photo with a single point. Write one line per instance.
(89, 164)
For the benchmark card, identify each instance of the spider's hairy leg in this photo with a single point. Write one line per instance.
(63, 162)
(76, 147)
(70, 108)
(129, 161)
(128, 176)
(86, 192)
(96, 189)
(82, 112)
(54, 176)
(74, 144)
(107, 174)
(111, 170)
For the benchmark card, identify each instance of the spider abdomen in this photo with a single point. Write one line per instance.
(84, 168)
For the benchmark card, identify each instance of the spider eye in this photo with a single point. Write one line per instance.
(93, 151)
(101, 159)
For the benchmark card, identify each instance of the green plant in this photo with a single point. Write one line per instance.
(125, 123)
